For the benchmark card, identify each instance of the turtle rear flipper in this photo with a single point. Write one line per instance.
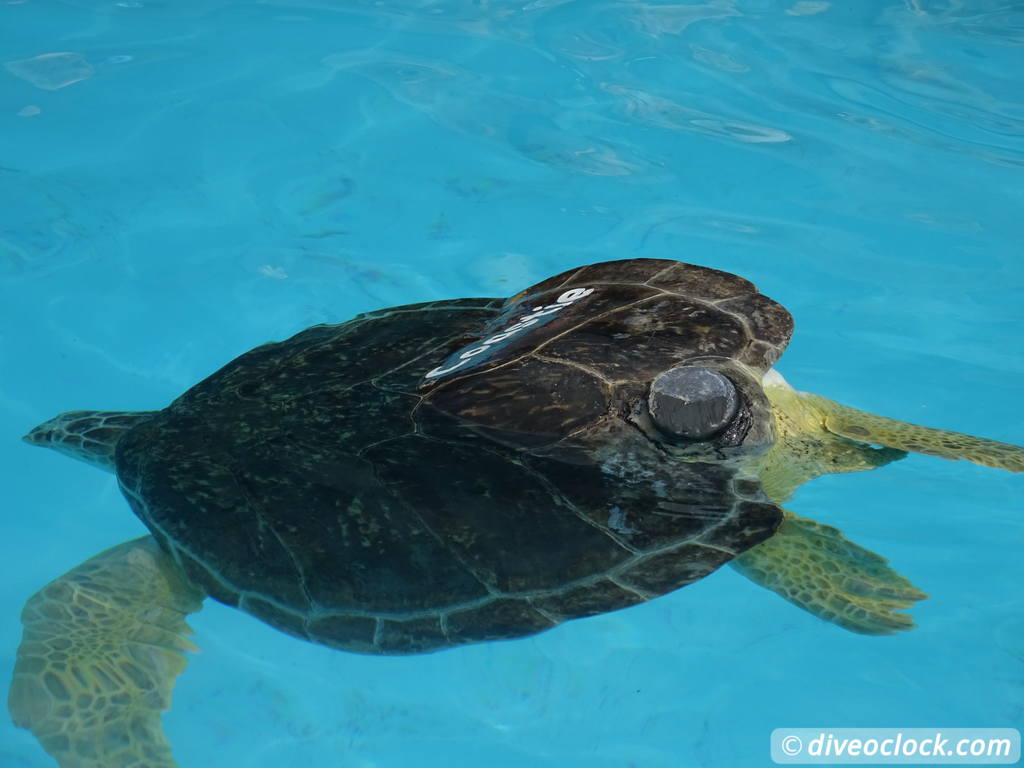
(871, 428)
(101, 648)
(817, 568)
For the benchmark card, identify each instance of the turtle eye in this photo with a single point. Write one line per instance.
(692, 402)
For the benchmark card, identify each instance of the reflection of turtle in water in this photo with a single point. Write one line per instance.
(454, 472)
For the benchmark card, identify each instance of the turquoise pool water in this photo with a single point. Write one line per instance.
(180, 181)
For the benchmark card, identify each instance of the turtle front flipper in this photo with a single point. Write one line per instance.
(870, 428)
(817, 568)
(101, 648)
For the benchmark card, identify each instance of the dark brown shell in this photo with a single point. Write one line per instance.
(327, 485)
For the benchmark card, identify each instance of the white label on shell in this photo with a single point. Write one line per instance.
(572, 295)
(530, 318)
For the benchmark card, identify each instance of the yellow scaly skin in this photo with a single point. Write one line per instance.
(813, 565)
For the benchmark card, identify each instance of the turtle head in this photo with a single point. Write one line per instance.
(711, 405)
(89, 436)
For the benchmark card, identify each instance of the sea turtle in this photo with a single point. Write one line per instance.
(454, 472)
